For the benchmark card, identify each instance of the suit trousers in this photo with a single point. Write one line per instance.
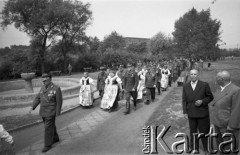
(50, 134)
(128, 95)
(201, 125)
(101, 92)
(150, 93)
(159, 87)
(220, 139)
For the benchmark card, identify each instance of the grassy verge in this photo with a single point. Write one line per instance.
(169, 112)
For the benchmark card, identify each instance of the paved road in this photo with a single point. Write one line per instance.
(93, 131)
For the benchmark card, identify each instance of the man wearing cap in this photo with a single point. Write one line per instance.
(101, 81)
(130, 83)
(50, 100)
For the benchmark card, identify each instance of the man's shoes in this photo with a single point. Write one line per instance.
(147, 102)
(126, 112)
(56, 141)
(46, 148)
(134, 108)
(206, 153)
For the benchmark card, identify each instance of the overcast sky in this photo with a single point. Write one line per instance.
(145, 18)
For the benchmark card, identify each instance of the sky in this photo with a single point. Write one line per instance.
(145, 18)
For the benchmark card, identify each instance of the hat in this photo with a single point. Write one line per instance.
(129, 65)
(46, 75)
(102, 68)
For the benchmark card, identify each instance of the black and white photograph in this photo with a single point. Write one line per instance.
(119, 77)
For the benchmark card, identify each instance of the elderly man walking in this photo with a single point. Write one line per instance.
(225, 109)
(50, 100)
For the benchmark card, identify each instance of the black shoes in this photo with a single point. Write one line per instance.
(46, 148)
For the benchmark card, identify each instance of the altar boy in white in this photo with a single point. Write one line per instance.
(85, 93)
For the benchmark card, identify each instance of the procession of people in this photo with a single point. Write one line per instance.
(134, 84)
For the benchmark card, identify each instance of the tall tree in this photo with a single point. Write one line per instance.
(74, 19)
(38, 18)
(113, 41)
(196, 33)
(160, 45)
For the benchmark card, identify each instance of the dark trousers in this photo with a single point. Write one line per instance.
(159, 87)
(170, 81)
(201, 125)
(219, 138)
(101, 92)
(128, 95)
(150, 93)
(50, 134)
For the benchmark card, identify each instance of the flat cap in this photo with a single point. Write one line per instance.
(46, 75)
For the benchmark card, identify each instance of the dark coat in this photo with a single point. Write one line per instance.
(50, 100)
(189, 97)
(150, 80)
(159, 74)
(130, 80)
(101, 81)
(225, 108)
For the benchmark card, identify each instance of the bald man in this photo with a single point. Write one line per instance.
(225, 108)
(195, 99)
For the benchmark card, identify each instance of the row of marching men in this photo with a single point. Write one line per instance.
(129, 84)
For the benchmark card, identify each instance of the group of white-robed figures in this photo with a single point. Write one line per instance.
(113, 86)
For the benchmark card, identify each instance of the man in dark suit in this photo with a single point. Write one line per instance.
(50, 100)
(195, 99)
(225, 108)
(150, 84)
(130, 83)
(101, 81)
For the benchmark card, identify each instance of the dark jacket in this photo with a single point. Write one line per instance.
(130, 80)
(150, 80)
(159, 74)
(50, 100)
(201, 92)
(101, 81)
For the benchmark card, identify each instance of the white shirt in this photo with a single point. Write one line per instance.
(222, 88)
(194, 84)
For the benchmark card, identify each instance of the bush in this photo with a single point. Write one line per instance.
(117, 57)
(86, 60)
(6, 70)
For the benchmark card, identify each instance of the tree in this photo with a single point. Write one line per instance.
(160, 45)
(74, 19)
(94, 44)
(113, 41)
(196, 34)
(38, 18)
(138, 47)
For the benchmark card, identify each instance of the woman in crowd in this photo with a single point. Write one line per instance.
(85, 93)
(141, 85)
(111, 93)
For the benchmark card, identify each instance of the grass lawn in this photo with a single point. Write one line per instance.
(169, 112)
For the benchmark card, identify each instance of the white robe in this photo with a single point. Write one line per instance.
(85, 92)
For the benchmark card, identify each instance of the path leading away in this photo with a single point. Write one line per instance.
(97, 131)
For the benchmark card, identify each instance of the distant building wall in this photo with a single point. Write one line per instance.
(131, 40)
